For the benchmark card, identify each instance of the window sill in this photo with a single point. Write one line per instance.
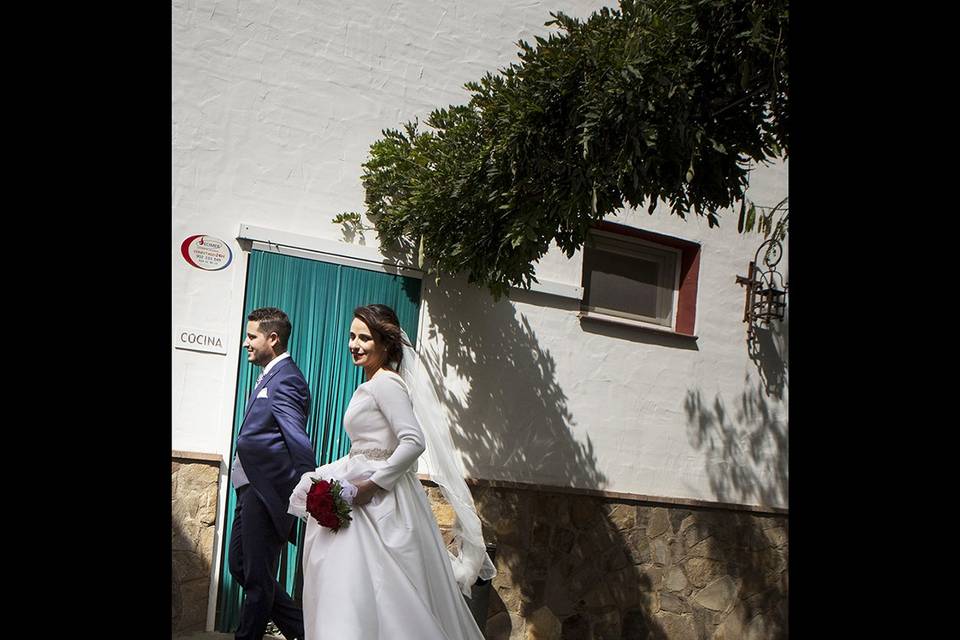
(635, 324)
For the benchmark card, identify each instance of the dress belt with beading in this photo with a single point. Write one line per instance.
(372, 453)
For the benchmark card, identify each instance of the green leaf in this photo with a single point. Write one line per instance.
(351, 217)
(743, 211)
(751, 216)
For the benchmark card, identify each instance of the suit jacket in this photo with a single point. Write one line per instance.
(273, 445)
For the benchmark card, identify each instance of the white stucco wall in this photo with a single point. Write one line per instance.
(564, 401)
(274, 108)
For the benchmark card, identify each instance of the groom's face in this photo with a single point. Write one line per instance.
(259, 345)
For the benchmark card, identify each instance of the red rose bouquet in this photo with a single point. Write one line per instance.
(326, 504)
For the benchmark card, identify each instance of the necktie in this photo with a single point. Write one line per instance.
(259, 378)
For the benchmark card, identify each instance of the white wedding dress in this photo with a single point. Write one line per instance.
(387, 575)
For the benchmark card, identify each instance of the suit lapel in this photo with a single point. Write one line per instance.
(253, 394)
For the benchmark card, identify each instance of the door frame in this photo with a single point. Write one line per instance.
(250, 238)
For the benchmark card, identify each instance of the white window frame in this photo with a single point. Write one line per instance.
(634, 247)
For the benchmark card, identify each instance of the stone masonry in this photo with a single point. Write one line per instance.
(573, 567)
(194, 507)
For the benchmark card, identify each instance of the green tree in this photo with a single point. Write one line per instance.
(657, 101)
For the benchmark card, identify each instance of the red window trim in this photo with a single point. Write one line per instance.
(689, 270)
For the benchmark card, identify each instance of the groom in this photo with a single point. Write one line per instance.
(272, 452)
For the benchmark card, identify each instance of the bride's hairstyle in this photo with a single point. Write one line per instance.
(385, 326)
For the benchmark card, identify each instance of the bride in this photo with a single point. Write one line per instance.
(388, 574)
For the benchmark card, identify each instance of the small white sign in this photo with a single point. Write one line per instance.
(206, 252)
(199, 340)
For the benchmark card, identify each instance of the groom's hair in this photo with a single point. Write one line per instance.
(273, 320)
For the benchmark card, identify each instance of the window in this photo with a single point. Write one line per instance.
(640, 277)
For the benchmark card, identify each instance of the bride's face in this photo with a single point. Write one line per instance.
(366, 351)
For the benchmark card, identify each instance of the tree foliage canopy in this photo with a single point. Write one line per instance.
(663, 100)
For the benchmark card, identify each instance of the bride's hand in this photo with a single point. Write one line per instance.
(366, 489)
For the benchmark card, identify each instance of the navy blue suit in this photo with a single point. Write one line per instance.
(274, 451)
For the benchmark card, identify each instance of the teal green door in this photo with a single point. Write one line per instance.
(319, 298)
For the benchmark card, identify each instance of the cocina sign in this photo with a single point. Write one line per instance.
(199, 340)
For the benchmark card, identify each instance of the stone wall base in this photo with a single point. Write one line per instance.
(574, 567)
(194, 505)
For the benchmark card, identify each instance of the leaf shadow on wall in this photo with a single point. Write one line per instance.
(746, 448)
(563, 562)
(514, 422)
